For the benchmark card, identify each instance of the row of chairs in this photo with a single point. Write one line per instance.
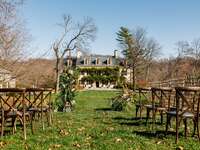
(181, 103)
(24, 106)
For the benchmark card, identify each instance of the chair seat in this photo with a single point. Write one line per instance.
(149, 106)
(14, 113)
(185, 114)
(156, 107)
(172, 108)
(139, 105)
(161, 108)
(37, 109)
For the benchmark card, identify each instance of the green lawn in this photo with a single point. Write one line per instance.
(93, 126)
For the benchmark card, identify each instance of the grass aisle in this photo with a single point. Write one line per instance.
(92, 125)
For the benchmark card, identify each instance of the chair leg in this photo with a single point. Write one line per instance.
(154, 113)
(147, 116)
(14, 119)
(161, 117)
(167, 124)
(178, 121)
(47, 116)
(2, 126)
(13, 126)
(32, 123)
(136, 110)
(141, 108)
(185, 122)
(195, 126)
(51, 117)
(198, 134)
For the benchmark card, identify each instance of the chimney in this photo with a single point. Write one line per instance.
(78, 54)
(116, 53)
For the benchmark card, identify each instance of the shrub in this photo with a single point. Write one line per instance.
(120, 102)
(65, 99)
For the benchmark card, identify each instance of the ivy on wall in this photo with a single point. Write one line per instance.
(103, 74)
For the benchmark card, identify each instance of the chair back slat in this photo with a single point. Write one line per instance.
(161, 97)
(144, 95)
(187, 99)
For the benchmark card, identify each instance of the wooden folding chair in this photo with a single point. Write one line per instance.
(187, 107)
(12, 108)
(39, 102)
(160, 102)
(144, 96)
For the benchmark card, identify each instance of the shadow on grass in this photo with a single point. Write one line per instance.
(7, 132)
(132, 118)
(134, 121)
(103, 109)
(139, 123)
(158, 134)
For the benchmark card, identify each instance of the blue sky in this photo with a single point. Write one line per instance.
(168, 21)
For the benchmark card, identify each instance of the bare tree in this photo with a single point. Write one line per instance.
(183, 48)
(13, 35)
(74, 36)
(195, 52)
(188, 49)
(153, 49)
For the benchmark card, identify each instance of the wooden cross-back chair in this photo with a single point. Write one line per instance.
(38, 102)
(187, 106)
(144, 96)
(12, 108)
(160, 102)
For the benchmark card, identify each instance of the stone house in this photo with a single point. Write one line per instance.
(7, 80)
(98, 71)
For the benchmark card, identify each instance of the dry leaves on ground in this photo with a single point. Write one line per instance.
(2, 144)
(76, 144)
(63, 132)
(118, 140)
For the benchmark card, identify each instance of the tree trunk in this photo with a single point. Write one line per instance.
(147, 73)
(133, 78)
(57, 75)
(59, 70)
(195, 68)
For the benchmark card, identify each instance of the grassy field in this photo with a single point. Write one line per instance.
(92, 125)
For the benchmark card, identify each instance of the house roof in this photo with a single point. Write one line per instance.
(91, 61)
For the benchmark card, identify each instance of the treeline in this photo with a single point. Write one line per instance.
(169, 68)
(41, 72)
(33, 72)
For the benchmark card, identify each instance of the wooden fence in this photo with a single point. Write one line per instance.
(188, 81)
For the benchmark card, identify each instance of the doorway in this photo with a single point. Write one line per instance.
(97, 84)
